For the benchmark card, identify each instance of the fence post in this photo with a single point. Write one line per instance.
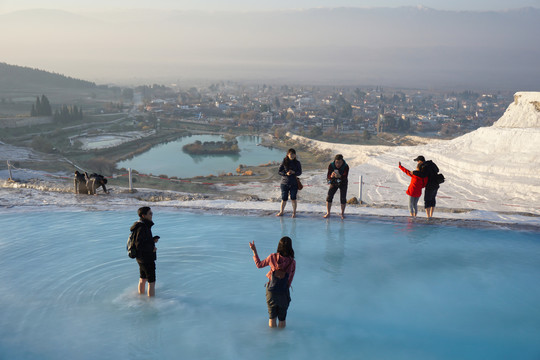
(130, 181)
(9, 169)
(360, 190)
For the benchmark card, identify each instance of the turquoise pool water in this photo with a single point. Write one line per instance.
(363, 289)
(169, 159)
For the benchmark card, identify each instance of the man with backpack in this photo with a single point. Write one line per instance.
(145, 250)
(430, 170)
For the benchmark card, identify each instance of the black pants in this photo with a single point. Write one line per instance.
(342, 192)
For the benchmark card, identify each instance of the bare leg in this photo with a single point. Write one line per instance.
(142, 286)
(152, 289)
(343, 206)
(328, 207)
(431, 209)
(272, 323)
(293, 202)
(283, 203)
(282, 324)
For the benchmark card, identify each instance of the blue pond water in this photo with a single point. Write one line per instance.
(169, 159)
(363, 289)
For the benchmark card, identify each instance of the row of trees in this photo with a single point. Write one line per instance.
(68, 113)
(41, 107)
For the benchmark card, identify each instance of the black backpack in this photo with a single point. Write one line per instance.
(440, 178)
(131, 247)
(279, 281)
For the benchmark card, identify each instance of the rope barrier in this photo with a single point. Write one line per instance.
(206, 183)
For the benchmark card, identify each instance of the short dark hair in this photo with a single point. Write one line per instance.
(338, 157)
(143, 211)
(291, 151)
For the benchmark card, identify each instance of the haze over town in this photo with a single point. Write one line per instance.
(478, 45)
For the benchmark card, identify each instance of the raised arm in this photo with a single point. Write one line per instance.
(258, 262)
(405, 170)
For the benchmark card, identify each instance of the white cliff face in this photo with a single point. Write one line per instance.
(524, 112)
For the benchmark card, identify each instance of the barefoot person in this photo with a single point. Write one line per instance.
(415, 188)
(281, 274)
(429, 170)
(337, 177)
(289, 169)
(146, 250)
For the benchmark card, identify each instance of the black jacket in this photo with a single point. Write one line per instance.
(430, 170)
(293, 165)
(144, 241)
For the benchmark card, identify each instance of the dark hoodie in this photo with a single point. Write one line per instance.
(429, 169)
(144, 241)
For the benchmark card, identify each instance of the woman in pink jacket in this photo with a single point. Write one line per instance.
(415, 188)
(281, 274)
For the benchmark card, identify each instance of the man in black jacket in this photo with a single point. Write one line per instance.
(146, 250)
(430, 170)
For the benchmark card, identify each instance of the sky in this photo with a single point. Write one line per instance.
(460, 43)
(250, 5)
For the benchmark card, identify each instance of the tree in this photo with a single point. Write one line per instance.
(42, 107)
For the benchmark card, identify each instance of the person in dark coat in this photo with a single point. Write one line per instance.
(337, 177)
(79, 182)
(430, 170)
(289, 170)
(146, 250)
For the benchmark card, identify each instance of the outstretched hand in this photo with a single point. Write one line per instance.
(252, 246)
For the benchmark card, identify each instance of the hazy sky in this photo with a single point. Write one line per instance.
(249, 5)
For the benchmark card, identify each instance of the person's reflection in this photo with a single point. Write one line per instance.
(284, 228)
(415, 231)
(335, 248)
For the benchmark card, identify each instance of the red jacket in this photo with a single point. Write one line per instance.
(417, 183)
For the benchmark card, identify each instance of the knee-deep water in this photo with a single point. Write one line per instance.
(363, 289)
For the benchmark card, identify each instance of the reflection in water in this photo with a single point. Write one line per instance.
(416, 232)
(335, 248)
(197, 159)
(285, 230)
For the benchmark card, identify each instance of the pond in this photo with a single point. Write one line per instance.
(169, 159)
(363, 289)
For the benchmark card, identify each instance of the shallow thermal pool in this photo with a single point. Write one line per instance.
(363, 289)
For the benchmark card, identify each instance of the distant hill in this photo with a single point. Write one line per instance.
(19, 78)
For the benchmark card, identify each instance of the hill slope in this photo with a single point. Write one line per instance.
(15, 78)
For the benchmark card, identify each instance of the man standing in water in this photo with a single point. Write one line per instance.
(337, 177)
(429, 169)
(146, 250)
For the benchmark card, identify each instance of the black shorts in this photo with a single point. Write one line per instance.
(147, 270)
(286, 189)
(278, 304)
(429, 198)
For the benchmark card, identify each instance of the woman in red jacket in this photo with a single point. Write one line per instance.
(415, 188)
